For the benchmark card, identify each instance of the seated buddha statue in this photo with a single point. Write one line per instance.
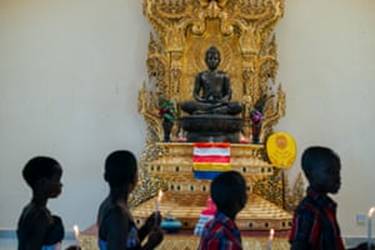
(212, 90)
(211, 115)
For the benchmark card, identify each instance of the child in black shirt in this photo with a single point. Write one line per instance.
(37, 227)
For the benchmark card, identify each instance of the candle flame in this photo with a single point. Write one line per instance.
(160, 196)
(76, 231)
(272, 233)
(371, 212)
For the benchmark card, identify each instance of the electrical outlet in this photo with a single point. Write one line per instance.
(360, 219)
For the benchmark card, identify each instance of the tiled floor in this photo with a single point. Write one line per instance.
(11, 244)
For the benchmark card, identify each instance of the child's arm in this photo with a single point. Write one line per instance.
(155, 237)
(117, 231)
(152, 221)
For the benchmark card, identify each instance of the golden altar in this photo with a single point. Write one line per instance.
(186, 197)
(243, 31)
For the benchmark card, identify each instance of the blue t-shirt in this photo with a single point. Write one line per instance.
(132, 241)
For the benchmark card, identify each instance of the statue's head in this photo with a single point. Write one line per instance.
(212, 58)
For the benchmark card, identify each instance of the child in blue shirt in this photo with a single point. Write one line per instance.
(117, 229)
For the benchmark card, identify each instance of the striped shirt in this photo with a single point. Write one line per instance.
(315, 223)
(221, 233)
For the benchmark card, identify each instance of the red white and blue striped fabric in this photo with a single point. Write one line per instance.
(210, 159)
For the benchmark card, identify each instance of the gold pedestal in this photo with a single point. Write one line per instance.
(185, 242)
(186, 197)
(257, 215)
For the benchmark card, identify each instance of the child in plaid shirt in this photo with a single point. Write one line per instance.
(314, 224)
(228, 191)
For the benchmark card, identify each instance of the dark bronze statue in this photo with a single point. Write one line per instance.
(212, 90)
(212, 116)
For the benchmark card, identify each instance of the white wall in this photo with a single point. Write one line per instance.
(327, 66)
(69, 78)
(70, 71)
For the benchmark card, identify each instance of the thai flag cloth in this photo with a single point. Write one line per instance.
(210, 159)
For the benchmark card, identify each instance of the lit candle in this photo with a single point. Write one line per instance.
(369, 227)
(270, 239)
(76, 235)
(158, 200)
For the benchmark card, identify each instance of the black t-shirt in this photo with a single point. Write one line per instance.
(35, 219)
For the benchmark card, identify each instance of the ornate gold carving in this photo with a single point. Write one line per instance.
(243, 31)
(277, 189)
(295, 194)
(272, 188)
